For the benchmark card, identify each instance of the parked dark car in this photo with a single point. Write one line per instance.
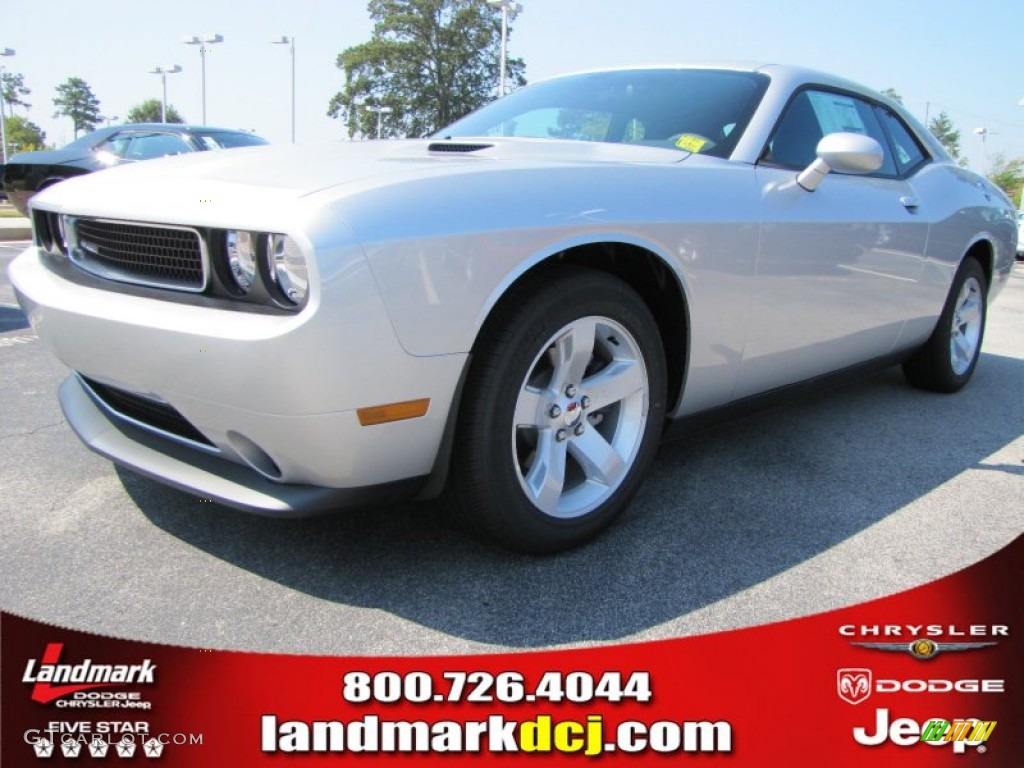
(28, 172)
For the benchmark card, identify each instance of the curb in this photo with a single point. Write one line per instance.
(15, 229)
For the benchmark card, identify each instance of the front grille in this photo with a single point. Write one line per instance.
(146, 411)
(42, 225)
(145, 254)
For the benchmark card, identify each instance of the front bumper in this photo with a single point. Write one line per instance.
(208, 476)
(275, 397)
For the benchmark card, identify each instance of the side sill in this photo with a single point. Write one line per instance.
(685, 425)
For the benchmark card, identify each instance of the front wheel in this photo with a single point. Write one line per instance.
(947, 360)
(562, 413)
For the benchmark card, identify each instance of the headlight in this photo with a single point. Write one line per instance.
(242, 258)
(288, 267)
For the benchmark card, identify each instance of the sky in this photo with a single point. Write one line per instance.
(963, 58)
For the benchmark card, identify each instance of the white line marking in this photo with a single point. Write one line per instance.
(10, 341)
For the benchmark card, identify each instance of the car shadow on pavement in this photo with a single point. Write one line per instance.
(721, 511)
(12, 319)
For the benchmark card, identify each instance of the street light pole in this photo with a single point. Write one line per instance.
(1021, 205)
(3, 121)
(201, 42)
(380, 111)
(504, 50)
(171, 69)
(290, 42)
(507, 7)
(984, 133)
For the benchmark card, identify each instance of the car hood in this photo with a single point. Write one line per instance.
(252, 187)
(48, 157)
(299, 170)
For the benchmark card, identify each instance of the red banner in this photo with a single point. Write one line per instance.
(929, 677)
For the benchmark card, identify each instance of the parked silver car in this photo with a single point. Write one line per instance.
(517, 309)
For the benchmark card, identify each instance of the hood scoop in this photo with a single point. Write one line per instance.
(456, 146)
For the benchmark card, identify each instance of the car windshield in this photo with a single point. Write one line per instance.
(691, 110)
(227, 140)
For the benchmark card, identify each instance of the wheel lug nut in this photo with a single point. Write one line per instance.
(562, 435)
(555, 412)
(585, 401)
(579, 429)
(570, 391)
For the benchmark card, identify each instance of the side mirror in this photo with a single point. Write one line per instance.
(843, 152)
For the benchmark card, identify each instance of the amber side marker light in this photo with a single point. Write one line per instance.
(382, 414)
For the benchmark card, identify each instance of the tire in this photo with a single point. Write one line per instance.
(946, 361)
(563, 411)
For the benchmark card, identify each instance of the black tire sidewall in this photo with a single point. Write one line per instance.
(509, 347)
(931, 367)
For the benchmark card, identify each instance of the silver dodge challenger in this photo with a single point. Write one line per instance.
(515, 311)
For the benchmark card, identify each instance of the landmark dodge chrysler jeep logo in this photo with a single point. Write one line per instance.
(79, 677)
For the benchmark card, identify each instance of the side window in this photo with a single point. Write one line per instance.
(797, 135)
(811, 116)
(150, 145)
(115, 145)
(909, 154)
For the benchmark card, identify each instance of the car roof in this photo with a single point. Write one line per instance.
(784, 73)
(93, 137)
(178, 127)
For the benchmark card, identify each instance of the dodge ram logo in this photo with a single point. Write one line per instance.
(853, 685)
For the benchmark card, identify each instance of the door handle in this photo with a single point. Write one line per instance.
(910, 203)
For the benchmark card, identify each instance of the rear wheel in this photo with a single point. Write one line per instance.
(562, 413)
(947, 360)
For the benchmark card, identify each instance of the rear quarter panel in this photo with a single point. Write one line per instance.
(962, 210)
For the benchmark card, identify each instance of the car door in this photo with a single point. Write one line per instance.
(836, 267)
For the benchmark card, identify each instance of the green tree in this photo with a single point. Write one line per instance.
(893, 94)
(944, 130)
(1008, 175)
(429, 61)
(149, 112)
(581, 125)
(13, 85)
(75, 99)
(23, 135)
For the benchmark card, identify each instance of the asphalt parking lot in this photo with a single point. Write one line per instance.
(837, 498)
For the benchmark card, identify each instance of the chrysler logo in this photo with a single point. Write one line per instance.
(923, 648)
(853, 685)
